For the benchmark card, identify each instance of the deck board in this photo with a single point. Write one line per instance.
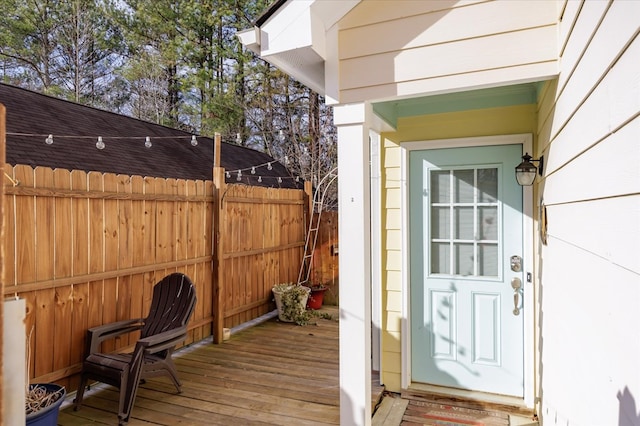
(271, 373)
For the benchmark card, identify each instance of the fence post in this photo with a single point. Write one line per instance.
(219, 218)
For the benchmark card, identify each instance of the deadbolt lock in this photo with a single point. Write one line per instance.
(516, 263)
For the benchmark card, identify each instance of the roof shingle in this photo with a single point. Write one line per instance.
(31, 116)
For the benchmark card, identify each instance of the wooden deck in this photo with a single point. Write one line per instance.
(272, 373)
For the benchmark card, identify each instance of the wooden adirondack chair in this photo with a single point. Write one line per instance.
(174, 299)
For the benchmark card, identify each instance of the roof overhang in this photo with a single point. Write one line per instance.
(291, 35)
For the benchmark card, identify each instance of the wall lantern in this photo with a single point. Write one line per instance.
(526, 171)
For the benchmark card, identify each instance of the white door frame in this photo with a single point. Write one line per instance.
(528, 262)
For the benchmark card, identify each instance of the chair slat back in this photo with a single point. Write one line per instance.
(174, 299)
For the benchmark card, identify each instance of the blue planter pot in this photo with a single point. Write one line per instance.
(48, 416)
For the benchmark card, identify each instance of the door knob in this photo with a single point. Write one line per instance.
(516, 284)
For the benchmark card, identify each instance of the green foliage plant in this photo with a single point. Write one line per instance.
(293, 302)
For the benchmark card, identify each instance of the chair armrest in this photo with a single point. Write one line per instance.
(97, 335)
(161, 341)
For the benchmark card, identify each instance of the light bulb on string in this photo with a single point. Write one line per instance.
(239, 178)
(297, 178)
(194, 141)
(279, 179)
(253, 170)
(228, 175)
(100, 144)
(238, 139)
(259, 178)
(269, 166)
(49, 140)
(147, 142)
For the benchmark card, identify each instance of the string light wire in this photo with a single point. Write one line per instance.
(100, 144)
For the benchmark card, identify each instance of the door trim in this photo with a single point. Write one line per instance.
(528, 226)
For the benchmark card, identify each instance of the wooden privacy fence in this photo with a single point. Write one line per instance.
(259, 243)
(85, 249)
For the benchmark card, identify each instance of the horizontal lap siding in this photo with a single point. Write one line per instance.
(438, 48)
(589, 130)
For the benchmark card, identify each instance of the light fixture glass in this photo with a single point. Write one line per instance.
(49, 140)
(100, 144)
(194, 141)
(147, 142)
(526, 171)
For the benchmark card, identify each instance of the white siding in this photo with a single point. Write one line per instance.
(429, 46)
(589, 130)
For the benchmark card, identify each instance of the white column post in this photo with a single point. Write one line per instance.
(355, 268)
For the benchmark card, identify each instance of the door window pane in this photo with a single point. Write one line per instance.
(463, 223)
(488, 260)
(440, 187)
(488, 185)
(488, 223)
(440, 224)
(463, 182)
(440, 258)
(464, 259)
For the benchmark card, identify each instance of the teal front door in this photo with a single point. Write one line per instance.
(466, 242)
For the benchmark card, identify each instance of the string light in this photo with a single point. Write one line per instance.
(100, 144)
(238, 139)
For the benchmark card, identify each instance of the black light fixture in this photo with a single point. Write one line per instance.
(526, 171)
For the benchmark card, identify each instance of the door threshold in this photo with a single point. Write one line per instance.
(469, 399)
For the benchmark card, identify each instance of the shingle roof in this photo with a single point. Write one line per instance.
(31, 116)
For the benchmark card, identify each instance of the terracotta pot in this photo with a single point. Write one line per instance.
(316, 297)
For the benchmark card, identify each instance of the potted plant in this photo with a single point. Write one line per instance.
(42, 400)
(42, 404)
(291, 301)
(316, 296)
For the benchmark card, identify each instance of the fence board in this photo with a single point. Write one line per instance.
(80, 230)
(149, 246)
(44, 227)
(79, 235)
(125, 218)
(63, 223)
(25, 228)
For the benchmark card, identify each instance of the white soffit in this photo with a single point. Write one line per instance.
(293, 38)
